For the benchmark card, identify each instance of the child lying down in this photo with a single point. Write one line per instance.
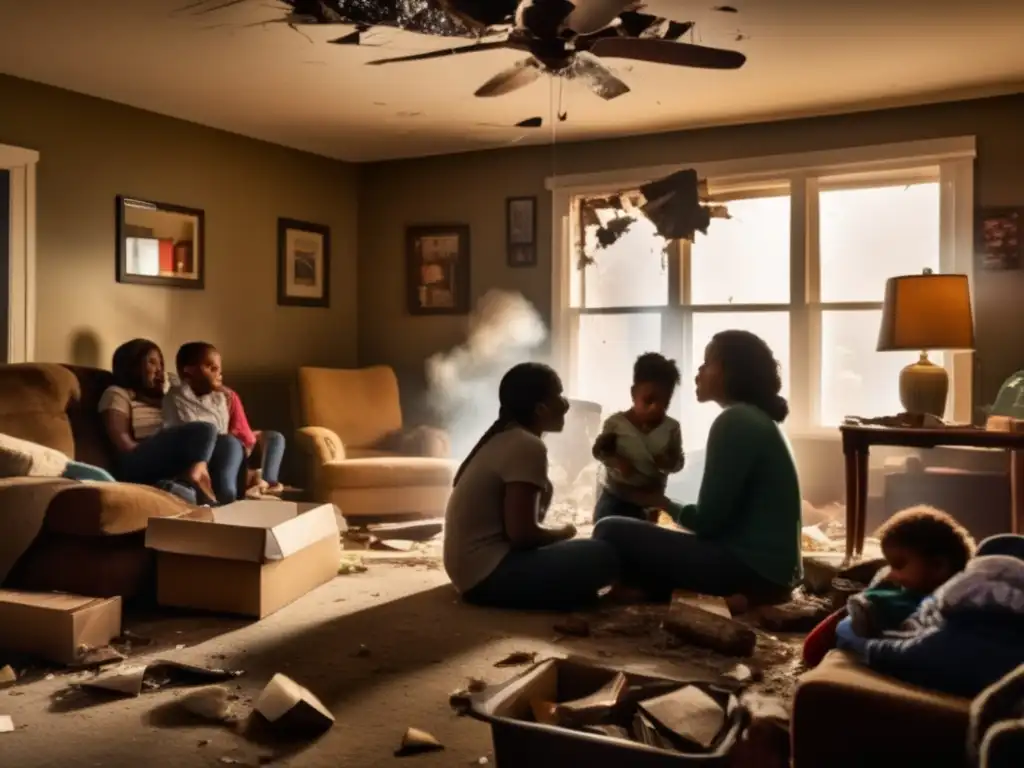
(963, 637)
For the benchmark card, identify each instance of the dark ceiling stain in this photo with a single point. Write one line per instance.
(725, 9)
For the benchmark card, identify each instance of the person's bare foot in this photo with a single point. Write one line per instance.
(199, 476)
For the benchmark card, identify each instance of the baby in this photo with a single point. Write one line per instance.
(923, 547)
(641, 446)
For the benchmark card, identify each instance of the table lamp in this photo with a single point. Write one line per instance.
(926, 312)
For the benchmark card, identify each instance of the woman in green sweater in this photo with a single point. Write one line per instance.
(744, 534)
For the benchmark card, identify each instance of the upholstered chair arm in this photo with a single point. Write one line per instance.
(321, 444)
(418, 441)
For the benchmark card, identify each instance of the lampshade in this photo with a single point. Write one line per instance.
(928, 311)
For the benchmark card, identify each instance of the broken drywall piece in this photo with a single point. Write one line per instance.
(8, 676)
(90, 658)
(130, 680)
(212, 703)
(517, 659)
(293, 709)
(416, 742)
(350, 564)
(675, 205)
(6, 724)
(689, 713)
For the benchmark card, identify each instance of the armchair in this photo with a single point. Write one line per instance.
(361, 457)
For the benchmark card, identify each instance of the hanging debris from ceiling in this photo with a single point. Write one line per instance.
(678, 206)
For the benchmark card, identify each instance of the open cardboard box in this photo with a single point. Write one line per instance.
(252, 558)
(56, 626)
(521, 742)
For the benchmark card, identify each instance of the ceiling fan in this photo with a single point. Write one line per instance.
(569, 39)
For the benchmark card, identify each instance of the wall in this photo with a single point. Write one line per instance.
(92, 150)
(472, 188)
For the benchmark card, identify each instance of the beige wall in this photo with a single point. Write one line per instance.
(92, 150)
(472, 188)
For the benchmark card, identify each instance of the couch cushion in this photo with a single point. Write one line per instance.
(91, 442)
(387, 472)
(105, 509)
(846, 715)
(361, 405)
(33, 402)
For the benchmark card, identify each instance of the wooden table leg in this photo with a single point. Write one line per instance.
(856, 500)
(851, 502)
(862, 501)
(1017, 492)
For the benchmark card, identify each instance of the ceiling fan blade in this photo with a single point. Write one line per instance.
(491, 46)
(667, 52)
(597, 78)
(519, 75)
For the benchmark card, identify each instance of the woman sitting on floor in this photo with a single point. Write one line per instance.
(175, 458)
(496, 551)
(744, 530)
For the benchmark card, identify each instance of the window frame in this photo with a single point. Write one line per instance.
(948, 161)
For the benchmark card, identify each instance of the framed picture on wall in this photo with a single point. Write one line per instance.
(998, 239)
(437, 269)
(521, 229)
(303, 264)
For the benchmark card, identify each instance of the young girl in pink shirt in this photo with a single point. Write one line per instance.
(265, 447)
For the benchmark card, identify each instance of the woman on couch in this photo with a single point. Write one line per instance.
(148, 452)
(496, 551)
(744, 530)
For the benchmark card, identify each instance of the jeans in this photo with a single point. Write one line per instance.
(225, 466)
(271, 449)
(612, 506)
(168, 454)
(660, 560)
(79, 470)
(559, 577)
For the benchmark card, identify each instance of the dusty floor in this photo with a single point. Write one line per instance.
(422, 644)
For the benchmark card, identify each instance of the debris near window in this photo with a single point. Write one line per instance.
(677, 205)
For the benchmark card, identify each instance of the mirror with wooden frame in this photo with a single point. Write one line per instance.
(159, 244)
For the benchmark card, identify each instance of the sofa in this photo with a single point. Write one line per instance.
(62, 535)
(360, 454)
(846, 716)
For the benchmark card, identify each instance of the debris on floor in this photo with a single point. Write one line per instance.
(351, 564)
(362, 652)
(801, 614)
(517, 659)
(292, 709)
(688, 712)
(706, 622)
(417, 742)
(131, 680)
(8, 676)
(6, 724)
(573, 626)
(91, 658)
(213, 703)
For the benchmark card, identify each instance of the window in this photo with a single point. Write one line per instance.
(802, 262)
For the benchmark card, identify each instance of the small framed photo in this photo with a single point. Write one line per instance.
(999, 238)
(303, 264)
(437, 269)
(521, 228)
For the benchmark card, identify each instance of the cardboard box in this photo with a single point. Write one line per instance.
(251, 559)
(522, 742)
(55, 625)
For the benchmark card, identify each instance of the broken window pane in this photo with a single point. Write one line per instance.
(870, 234)
(773, 327)
(607, 347)
(857, 380)
(744, 259)
(631, 272)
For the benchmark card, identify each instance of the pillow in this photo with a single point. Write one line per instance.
(23, 458)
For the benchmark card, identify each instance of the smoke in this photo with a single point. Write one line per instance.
(504, 329)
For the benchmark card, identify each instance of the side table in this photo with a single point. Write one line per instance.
(857, 442)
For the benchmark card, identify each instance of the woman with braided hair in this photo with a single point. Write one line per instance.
(497, 551)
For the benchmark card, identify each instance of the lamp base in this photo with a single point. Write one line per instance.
(924, 387)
